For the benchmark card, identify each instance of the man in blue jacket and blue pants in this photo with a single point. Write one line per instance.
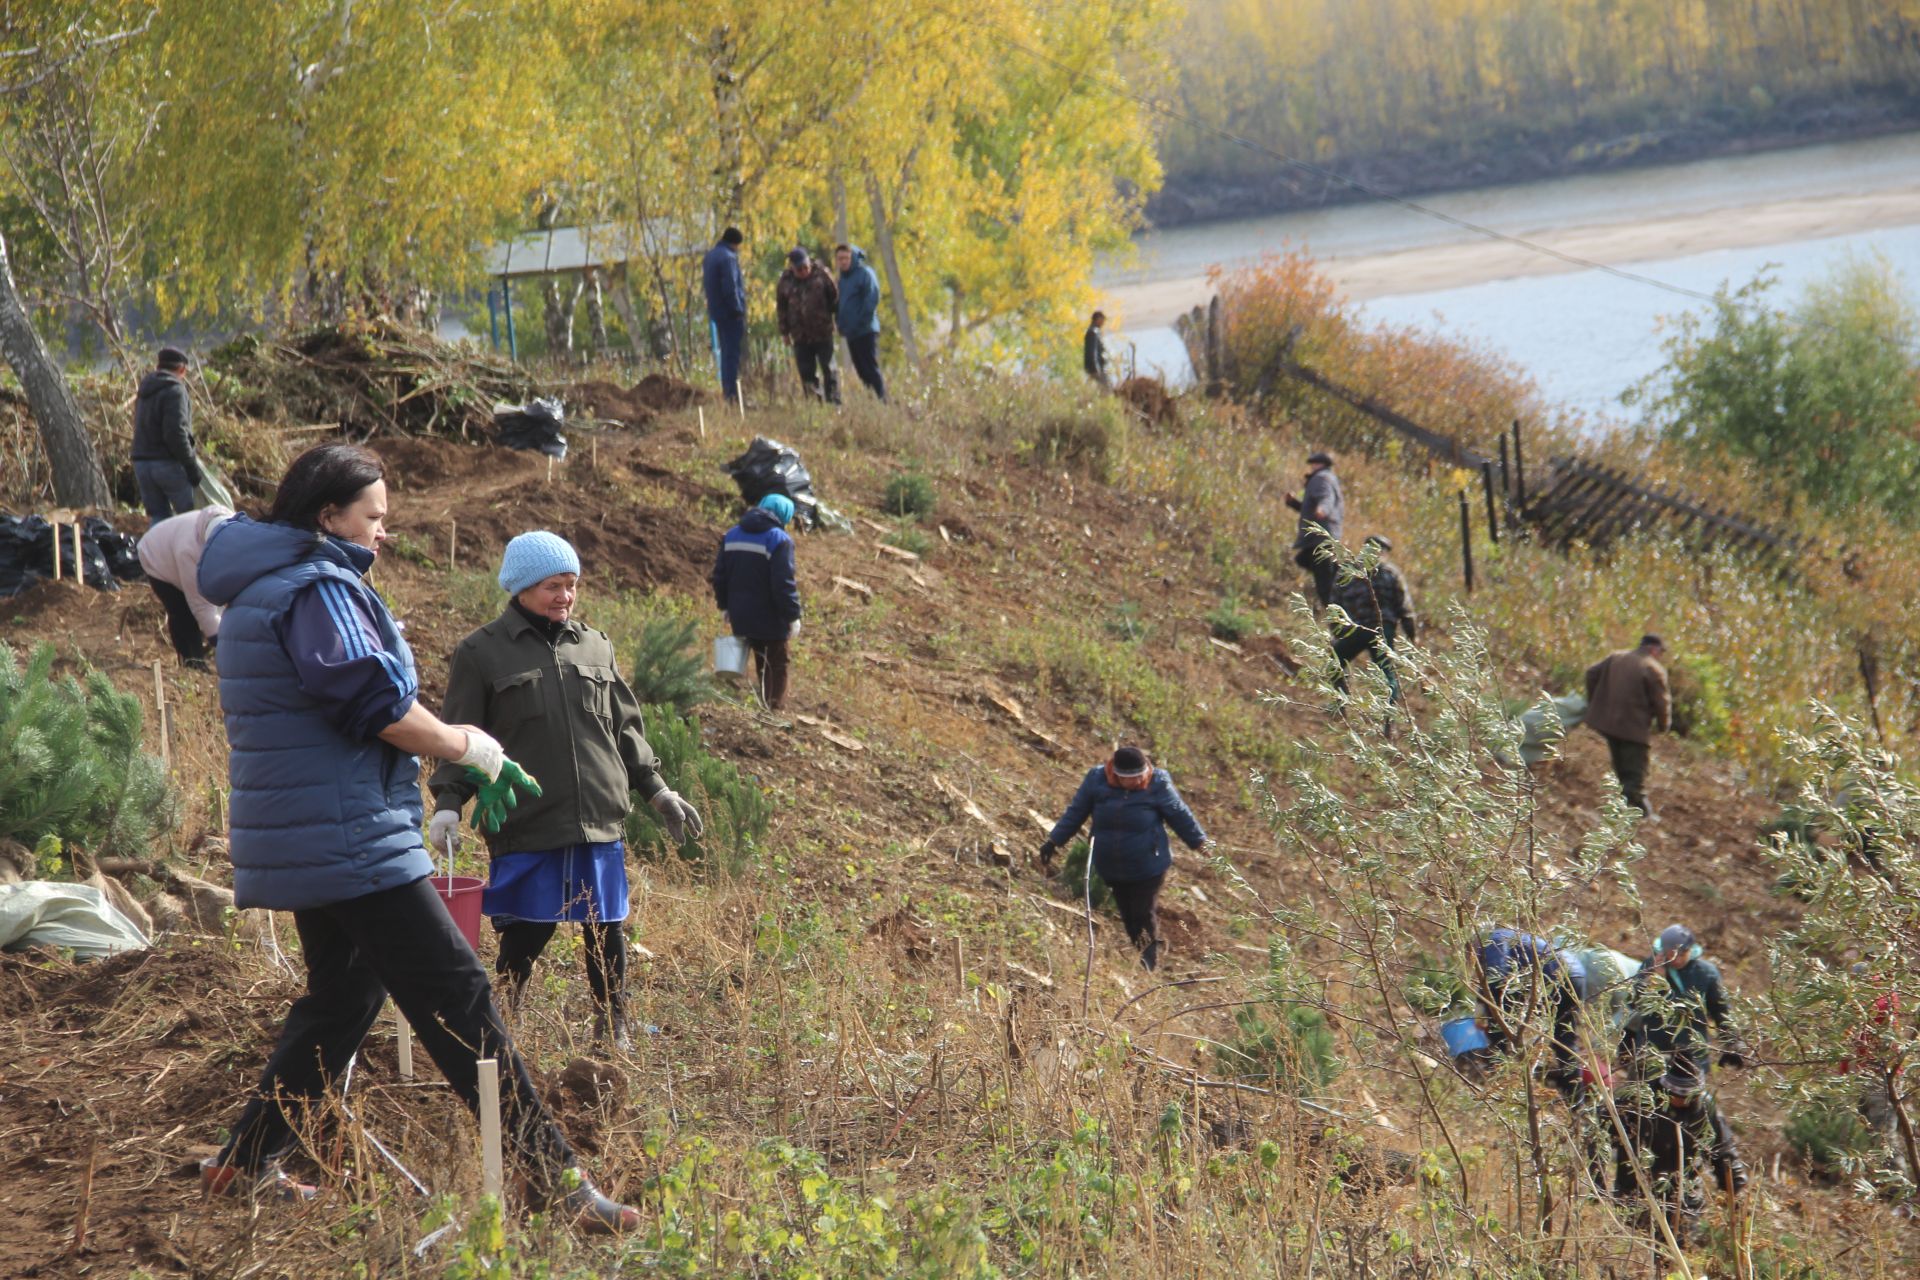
(726, 291)
(754, 584)
(859, 316)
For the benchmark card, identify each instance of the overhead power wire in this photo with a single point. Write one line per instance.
(1168, 112)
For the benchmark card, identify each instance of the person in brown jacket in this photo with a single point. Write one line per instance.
(1627, 699)
(806, 300)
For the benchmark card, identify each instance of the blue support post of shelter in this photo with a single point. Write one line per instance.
(506, 297)
(493, 320)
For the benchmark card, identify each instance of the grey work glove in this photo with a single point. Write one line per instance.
(682, 819)
(444, 825)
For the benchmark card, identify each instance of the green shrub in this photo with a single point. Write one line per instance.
(1074, 872)
(1699, 687)
(668, 668)
(1832, 1137)
(1435, 988)
(909, 493)
(1123, 622)
(735, 809)
(1287, 1043)
(1074, 441)
(910, 539)
(1229, 622)
(71, 763)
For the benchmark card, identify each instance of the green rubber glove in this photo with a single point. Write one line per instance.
(495, 798)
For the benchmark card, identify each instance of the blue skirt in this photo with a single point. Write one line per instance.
(578, 882)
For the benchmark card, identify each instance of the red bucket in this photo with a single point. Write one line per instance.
(462, 896)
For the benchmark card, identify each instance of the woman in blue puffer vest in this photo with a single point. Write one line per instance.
(324, 724)
(1132, 804)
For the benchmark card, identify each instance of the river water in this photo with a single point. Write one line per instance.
(1584, 336)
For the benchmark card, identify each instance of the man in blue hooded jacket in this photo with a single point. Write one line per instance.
(726, 290)
(755, 586)
(859, 316)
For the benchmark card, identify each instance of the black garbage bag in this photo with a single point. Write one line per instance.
(771, 467)
(121, 550)
(26, 554)
(535, 426)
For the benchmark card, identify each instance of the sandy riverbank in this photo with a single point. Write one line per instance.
(1152, 304)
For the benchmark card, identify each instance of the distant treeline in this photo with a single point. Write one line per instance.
(1338, 80)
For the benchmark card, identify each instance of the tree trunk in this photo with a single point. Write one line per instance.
(730, 165)
(596, 313)
(839, 188)
(883, 242)
(78, 480)
(623, 306)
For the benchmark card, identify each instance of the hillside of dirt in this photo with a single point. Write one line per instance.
(896, 985)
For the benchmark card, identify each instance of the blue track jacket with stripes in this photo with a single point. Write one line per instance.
(753, 578)
(312, 668)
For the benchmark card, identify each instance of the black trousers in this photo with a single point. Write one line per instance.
(1366, 640)
(731, 336)
(522, 941)
(399, 941)
(864, 350)
(770, 663)
(1139, 905)
(815, 360)
(182, 627)
(1630, 761)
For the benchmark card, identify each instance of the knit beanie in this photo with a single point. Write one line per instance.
(780, 505)
(1129, 762)
(535, 557)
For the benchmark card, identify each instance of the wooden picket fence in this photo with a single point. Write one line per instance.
(1580, 502)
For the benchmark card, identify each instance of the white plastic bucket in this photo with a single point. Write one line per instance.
(730, 658)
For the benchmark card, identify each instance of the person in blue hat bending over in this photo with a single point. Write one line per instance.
(550, 690)
(755, 587)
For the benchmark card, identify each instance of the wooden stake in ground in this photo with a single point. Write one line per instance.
(702, 412)
(549, 468)
(960, 965)
(1086, 983)
(453, 544)
(160, 713)
(56, 553)
(79, 561)
(492, 1177)
(594, 444)
(86, 1198)
(403, 1045)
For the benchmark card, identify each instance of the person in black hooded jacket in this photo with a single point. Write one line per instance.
(163, 461)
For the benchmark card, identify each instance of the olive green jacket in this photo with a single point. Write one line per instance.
(563, 712)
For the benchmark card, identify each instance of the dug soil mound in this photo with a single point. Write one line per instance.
(609, 403)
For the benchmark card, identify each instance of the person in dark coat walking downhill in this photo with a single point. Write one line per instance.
(1132, 804)
(324, 722)
(1627, 699)
(1321, 503)
(859, 315)
(808, 302)
(1093, 351)
(1381, 608)
(758, 592)
(164, 465)
(551, 690)
(726, 289)
(1673, 1130)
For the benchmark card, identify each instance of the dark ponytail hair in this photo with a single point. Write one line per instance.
(327, 475)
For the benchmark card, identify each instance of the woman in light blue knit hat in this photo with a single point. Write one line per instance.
(550, 690)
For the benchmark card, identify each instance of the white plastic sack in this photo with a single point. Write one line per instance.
(44, 913)
(212, 491)
(1610, 977)
(1541, 729)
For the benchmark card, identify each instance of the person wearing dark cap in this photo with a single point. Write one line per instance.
(726, 289)
(807, 301)
(1323, 516)
(1627, 699)
(1674, 1134)
(1379, 607)
(1132, 804)
(1093, 351)
(164, 465)
(1694, 1004)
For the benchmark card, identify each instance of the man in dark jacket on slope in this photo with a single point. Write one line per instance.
(163, 461)
(1093, 351)
(1627, 699)
(726, 290)
(808, 301)
(755, 586)
(1323, 516)
(859, 316)
(1380, 607)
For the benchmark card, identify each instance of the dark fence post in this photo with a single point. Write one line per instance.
(1519, 471)
(1466, 542)
(1506, 474)
(1493, 521)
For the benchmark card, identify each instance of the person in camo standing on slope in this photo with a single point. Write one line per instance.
(324, 721)
(1132, 804)
(550, 689)
(807, 301)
